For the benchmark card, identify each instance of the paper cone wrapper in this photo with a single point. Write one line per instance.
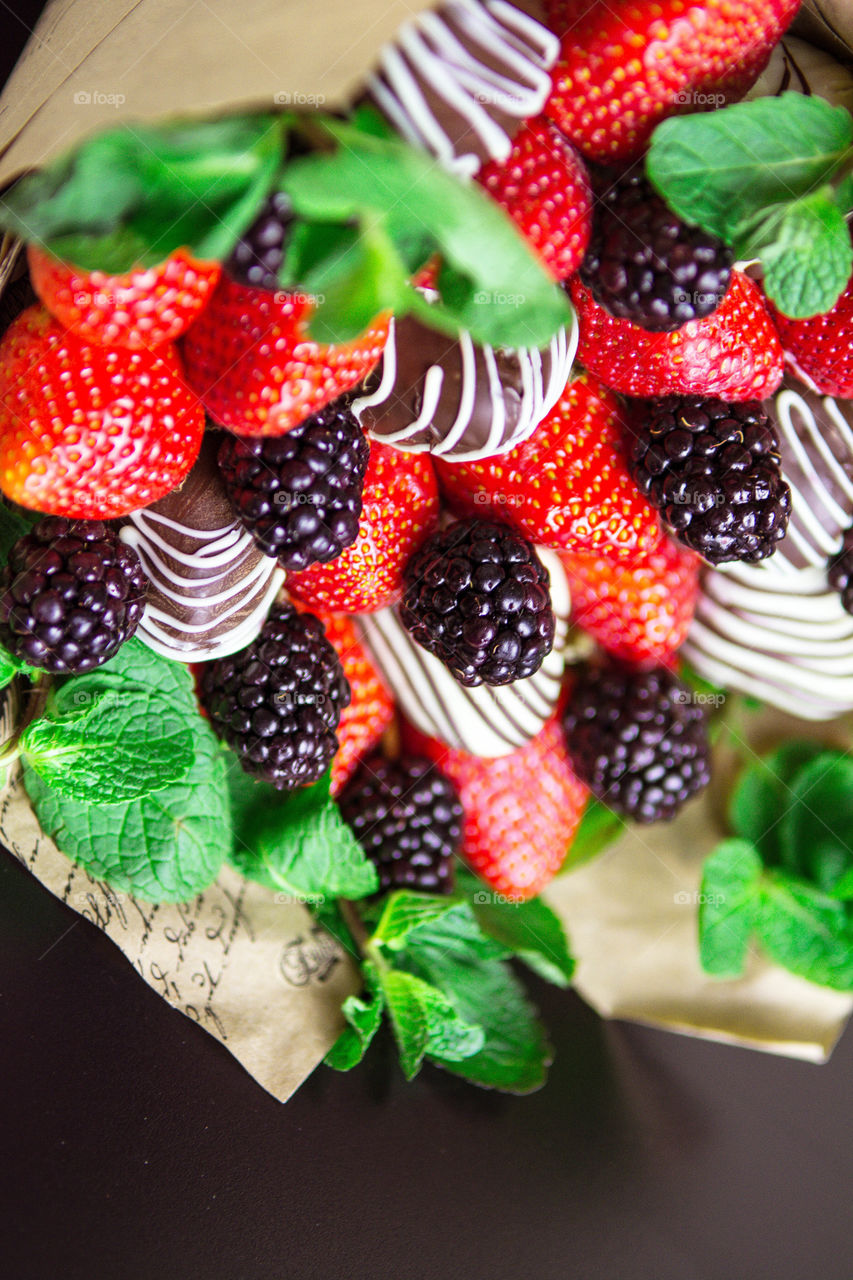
(249, 965)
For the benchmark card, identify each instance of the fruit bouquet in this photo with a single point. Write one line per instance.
(415, 502)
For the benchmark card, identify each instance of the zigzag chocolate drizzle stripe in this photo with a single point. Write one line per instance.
(458, 400)
(459, 81)
(211, 588)
(777, 630)
(482, 721)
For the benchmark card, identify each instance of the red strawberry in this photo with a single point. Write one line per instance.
(640, 611)
(545, 189)
(371, 707)
(91, 432)
(820, 348)
(521, 810)
(258, 373)
(145, 308)
(625, 66)
(400, 510)
(734, 353)
(568, 486)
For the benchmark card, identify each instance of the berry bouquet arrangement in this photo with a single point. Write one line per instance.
(433, 493)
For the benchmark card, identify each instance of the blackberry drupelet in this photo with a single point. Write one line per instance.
(257, 256)
(644, 264)
(278, 702)
(638, 739)
(713, 471)
(408, 818)
(840, 571)
(299, 494)
(477, 598)
(70, 595)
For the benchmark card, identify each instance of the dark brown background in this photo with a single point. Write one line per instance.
(132, 1146)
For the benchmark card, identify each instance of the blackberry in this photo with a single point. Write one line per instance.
(257, 256)
(407, 817)
(840, 571)
(278, 702)
(477, 598)
(638, 740)
(70, 595)
(299, 494)
(644, 264)
(713, 471)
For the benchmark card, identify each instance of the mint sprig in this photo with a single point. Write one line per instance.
(164, 847)
(134, 194)
(368, 211)
(786, 878)
(448, 992)
(771, 178)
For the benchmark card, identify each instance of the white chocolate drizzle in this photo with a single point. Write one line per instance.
(483, 721)
(777, 630)
(453, 77)
(466, 386)
(224, 584)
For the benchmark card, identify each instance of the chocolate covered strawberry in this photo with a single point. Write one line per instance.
(399, 511)
(544, 187)
(251, 361)
(734, 354)
(521, 811)
(640, 610)
(88, 431)
(144, 308)
(624, 67)
(568, 486)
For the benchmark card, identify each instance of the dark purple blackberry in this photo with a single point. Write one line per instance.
(299, 494)
(840, 571)
(257, 256)
(644, 264)
(70, 595)
(278, 702)
(713, 471)
(638, 739)
(477, 597)
(407, 817)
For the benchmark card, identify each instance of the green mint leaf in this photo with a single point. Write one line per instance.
(134, 667)
(484, 991)
(403, 912)
(10, 666)
(597, 830)
(530, 930)
(114, 747)
(762, 795)
(816, 830)
(364, 1018)
(354, 283)
(728, 899)
(164, 847)
(133, 194)
(425, 1021)
(806, 931)
(805, 251)
(502, 294)
(721, 168)
(297, 842)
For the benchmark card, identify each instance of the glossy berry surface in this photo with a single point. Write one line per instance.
(71, 593)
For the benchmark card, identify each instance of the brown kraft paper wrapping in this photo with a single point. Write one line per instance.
(248, 965)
